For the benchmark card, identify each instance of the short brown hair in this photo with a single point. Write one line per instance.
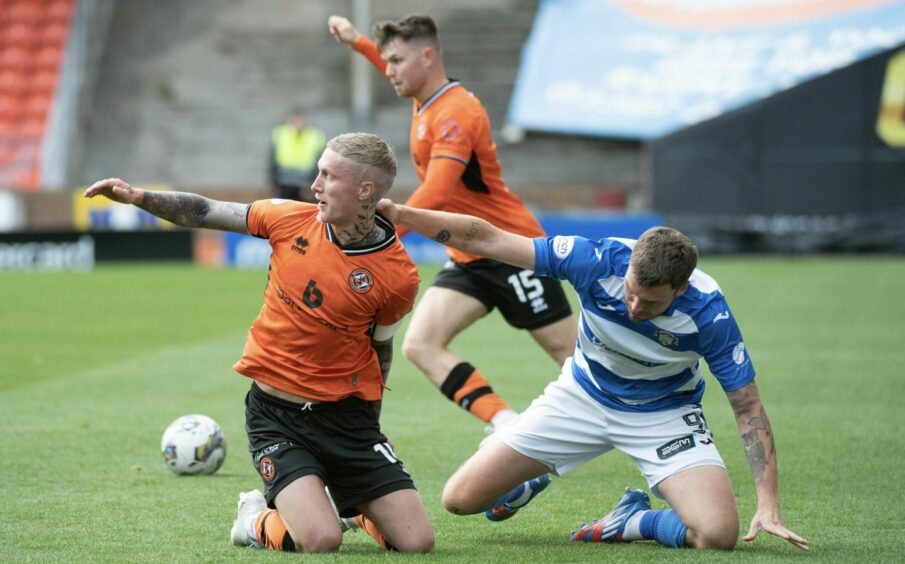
(372, 152)
(411, 27)
(663, 255)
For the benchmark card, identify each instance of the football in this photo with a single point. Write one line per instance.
(193, 444)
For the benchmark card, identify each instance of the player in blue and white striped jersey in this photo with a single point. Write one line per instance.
(634, 383)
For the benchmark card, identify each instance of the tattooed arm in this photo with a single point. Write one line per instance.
(181, 208)
(760, 449)
(463, 232)
(384, 351)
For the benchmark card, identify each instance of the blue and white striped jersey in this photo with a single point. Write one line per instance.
(655, 364)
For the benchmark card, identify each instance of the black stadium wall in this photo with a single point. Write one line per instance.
(805, 170)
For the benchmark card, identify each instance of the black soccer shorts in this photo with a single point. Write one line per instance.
(526, 301)
(339, 441)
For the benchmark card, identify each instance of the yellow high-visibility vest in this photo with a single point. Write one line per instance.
(297, 150)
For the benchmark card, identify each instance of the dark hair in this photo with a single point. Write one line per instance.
(663, 255)
(411, 27)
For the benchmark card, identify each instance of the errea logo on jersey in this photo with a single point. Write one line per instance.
(738, 353)
(562, 246)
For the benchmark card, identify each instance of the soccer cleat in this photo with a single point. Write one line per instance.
(518, 498)
(350, 524)
(250, 504)
(610, 527)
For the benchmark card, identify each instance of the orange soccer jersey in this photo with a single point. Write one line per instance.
(451, 130)
(312, 336)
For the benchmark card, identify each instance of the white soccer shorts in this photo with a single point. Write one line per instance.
(565, 427)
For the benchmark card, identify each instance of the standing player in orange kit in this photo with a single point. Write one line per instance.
(319, 353)
(456, 162)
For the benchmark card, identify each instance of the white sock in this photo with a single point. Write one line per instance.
(632, 529)
(250, 530)
(503, 418)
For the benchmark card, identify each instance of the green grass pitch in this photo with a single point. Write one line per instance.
(94, 366)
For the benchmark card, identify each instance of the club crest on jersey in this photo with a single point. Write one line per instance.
(267, 469)
(450, 130)
(361, 281)
(666, 338)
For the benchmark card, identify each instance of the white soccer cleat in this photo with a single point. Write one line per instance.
(250, 504)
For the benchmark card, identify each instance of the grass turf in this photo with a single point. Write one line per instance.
(96, 365)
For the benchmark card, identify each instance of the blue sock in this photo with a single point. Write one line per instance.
(664, 526)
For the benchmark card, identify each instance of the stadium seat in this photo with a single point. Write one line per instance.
(24, 12)
(54, 34)
(15, 58)
(11, 82)
(48, 57)
(37, 106)
(10, 108)
(18, 34)
(42, 81)
(58, 11)
(33, 36)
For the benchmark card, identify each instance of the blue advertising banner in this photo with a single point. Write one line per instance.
(640, 69)
(245, 251)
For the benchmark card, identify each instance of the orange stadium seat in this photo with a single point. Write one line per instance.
(36, 106)
(24, 12)
(15, 58)
(48, 57)
(43, 81)
(33, 36)
(10, 108)
(54, 34)
(58, 11)
(11, 82)
(18, 34)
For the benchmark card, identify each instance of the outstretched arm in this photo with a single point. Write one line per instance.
(344, 32)
(181, 208)
(463, 232)
(760, 449)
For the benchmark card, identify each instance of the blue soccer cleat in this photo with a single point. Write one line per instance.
(507, 505)
(610, 527)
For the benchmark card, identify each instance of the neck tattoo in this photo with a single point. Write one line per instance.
(357, 239)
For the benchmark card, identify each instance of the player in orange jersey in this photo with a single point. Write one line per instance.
(319, 353)
(456, 162)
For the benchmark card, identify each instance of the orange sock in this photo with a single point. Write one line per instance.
(271, 531)
(468, 388)
(370, 528)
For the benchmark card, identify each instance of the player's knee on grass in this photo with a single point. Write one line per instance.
(319, 542)
(421, 542)
(719, 533)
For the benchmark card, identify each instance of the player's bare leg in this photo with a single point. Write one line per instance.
(304, 520)
(398, 521)
(440, 316)
(705, 502)
(558, 338)
(490, 473)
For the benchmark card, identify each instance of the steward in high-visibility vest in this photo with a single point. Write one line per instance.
(295, 148)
